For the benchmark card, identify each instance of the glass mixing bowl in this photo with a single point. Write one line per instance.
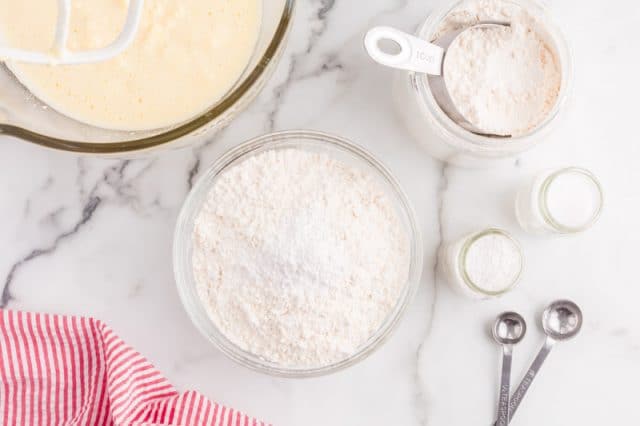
(317, 142)
(24, 116)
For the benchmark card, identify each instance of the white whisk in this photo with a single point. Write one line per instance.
(61, 56)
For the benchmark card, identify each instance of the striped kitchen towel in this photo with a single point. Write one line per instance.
(60, 370)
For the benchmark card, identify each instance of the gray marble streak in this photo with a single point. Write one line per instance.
(87, 213)
(193, 172)
(322, 8)
(422, 400)
(121, 189)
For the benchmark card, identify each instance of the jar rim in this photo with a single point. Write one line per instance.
(548, 216)
(462, 260)
(491, 144)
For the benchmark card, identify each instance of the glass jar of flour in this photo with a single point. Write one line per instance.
(449, 141)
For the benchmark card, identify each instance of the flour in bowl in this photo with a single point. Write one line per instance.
(298, 257)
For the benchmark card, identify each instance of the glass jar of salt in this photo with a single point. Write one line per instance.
(559, 201)
(483, 264)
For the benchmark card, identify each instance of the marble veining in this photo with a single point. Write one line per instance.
(422, 399)
(90, 236)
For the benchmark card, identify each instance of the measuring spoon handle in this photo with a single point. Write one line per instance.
(414, 54)
(505, 382)
(526, 381)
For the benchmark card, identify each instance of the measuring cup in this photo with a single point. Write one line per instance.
(422, 114)
(418, 55)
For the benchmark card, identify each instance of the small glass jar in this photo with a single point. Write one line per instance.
(559, 201)
(446, 140)
(483, 264)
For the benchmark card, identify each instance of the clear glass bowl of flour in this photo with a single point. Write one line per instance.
(434, 129)
(24, 116)
(340, 150)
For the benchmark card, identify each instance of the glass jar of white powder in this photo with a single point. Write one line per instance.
(483, 264)
(297, 253)
(435, 130)
(559, 201)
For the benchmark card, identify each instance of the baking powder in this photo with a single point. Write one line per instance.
(493, 262)
(298, 257)
(482, 264)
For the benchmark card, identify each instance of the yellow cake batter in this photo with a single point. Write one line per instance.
(186, 56)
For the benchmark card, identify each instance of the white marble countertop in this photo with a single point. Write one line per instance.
(93, 237)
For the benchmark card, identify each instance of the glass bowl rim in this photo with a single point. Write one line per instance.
(280, 140)
(270, 55)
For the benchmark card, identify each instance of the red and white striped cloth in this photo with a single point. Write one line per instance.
(60, 370)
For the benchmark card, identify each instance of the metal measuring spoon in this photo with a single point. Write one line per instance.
(508, 330)
(561, 320)
(418, 55)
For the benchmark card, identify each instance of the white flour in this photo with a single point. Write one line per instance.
(493, 262)
(473, 12)
(298, 257)
(504, 80)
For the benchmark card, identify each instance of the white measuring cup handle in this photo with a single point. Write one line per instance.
(415, 53)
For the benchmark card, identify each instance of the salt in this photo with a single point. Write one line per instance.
(483, 264)
(572, 199)
(493, 262)
(560, 201)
